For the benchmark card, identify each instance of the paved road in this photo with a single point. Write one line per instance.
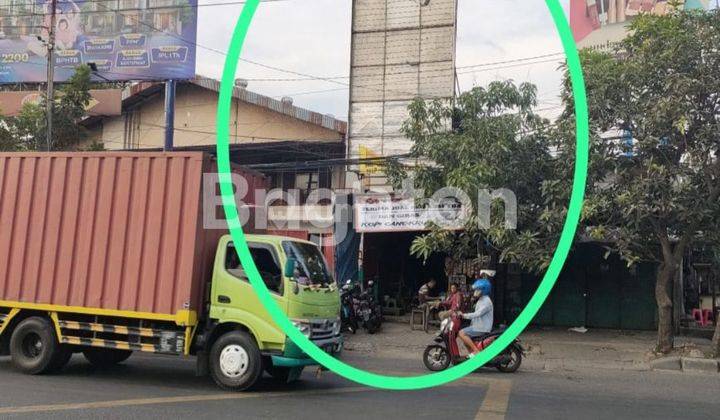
(159, 387)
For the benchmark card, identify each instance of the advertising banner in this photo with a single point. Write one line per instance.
(123, 39)
(599, 23)
(384, 213)
(103, 102)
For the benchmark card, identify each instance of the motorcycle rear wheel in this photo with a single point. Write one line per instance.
(351, 326)
(515, 361)
(372, 326)
(436, 358)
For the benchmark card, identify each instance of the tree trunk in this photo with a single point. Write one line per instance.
(664, 303)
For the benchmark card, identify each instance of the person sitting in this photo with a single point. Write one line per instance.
(426, 290)
(481, 320)
(453, 303)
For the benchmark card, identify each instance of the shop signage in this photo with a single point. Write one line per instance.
(375, 213)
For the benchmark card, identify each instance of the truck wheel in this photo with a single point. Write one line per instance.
(235, 361)
(33, 346)
(62, 357)
(104, 358)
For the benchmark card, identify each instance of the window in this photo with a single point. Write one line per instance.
(311, 267)
(265, 260)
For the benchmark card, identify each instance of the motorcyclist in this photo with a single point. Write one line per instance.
(481, 319)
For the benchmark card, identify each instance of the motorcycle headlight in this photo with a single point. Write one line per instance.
(304, 328)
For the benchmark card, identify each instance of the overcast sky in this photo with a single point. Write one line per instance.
(313, 37)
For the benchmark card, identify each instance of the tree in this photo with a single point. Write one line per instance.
(660, 196)
(27, 130)
(497, 142)
(7, 142)
(649, 198)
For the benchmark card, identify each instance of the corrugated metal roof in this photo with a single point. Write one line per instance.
(286, 108)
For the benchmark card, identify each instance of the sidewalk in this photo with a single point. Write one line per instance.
(548, 349)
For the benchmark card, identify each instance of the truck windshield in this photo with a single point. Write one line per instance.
(311, 267)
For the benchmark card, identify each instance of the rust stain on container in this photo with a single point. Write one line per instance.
(121, 231)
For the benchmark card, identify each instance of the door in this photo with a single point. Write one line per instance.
(529, 284)
(604, 294)
(639, 310)
(569, 305)
(235, 300)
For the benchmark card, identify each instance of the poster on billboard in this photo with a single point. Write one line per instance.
(600, 23)
(124, 39)
(103, 102)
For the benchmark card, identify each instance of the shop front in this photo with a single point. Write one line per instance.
(594, 290)
(383, 230)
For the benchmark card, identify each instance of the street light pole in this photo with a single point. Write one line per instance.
(50, 95)
(169, 115)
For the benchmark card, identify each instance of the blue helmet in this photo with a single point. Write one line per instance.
(483, 285)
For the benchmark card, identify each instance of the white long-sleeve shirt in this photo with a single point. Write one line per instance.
(482, 318)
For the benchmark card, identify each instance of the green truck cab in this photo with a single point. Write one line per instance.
(297, 276)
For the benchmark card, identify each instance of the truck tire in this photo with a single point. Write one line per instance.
(34, 346)
(235, 361)
(62, 357)
(104, 358)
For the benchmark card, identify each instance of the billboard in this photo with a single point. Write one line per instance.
(600, 23)
(125, 39)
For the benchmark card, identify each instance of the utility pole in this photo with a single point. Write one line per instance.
(169, 115)
(50, 95)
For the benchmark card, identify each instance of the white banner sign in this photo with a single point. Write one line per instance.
(388, 214)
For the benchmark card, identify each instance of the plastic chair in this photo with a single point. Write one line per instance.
(707, 316)
(698, 317)
(418, 310)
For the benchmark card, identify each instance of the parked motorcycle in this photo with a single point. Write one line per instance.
(368, 310)
(348, 317)
(445, 351)
(359, 309)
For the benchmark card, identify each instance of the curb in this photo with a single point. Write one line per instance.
(686, 364)
(700, 365)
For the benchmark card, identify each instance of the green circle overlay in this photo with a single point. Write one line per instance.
(533, 306)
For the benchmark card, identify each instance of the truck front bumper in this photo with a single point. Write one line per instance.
(294, 357)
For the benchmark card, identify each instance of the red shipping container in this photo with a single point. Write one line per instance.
(115, 231)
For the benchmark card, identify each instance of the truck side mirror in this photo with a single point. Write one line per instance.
(290, 267)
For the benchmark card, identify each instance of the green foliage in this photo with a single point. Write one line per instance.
(649, 200)
(27, 130)
(657, 197)
(663, 86)
(496, 141)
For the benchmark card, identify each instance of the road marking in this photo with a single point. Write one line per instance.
(497, 398)
(472, 379)
(172, 400)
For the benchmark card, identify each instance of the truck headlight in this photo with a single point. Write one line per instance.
(304, 328)
(337, 325)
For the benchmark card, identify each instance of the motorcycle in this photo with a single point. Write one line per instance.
(348, 317)
(445, 351)
(359, 309)
(368, 310)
